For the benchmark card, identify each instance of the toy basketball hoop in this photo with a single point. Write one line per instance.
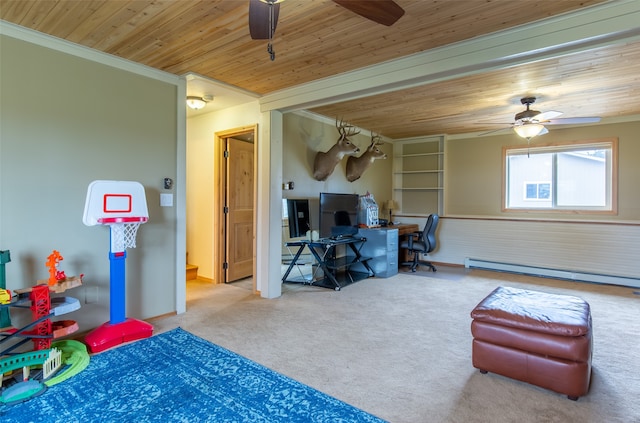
(121, 205)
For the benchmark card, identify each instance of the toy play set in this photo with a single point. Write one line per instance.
(50, 361)
(120, 205)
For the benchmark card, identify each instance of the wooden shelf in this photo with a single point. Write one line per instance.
(418, 175)
(407, 172)
(439, 153)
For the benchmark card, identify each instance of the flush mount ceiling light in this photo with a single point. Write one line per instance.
(197, 103)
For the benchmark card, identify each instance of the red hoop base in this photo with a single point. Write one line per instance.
(109, 335)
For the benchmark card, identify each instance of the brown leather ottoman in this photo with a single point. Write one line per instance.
(539, 338)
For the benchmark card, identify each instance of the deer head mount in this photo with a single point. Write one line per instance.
(357, 165)
(326, 162)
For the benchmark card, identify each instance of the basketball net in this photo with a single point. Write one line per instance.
(123, 235)
(123, 231)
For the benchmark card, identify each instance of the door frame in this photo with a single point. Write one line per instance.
(219, 235)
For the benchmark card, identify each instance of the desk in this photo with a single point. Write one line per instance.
(336, 271)
(383, 247)
(404, 229)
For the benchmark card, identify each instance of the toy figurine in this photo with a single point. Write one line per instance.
(52, 263)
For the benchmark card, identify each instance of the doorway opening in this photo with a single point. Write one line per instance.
(235, 205)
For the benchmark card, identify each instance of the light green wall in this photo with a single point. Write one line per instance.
(303, 138)
(64, 122)
(474, 172)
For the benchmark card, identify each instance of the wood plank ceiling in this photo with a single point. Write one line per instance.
(318, 38)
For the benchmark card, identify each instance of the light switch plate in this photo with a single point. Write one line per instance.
(166, 200)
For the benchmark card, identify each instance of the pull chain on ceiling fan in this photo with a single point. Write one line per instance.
(263, 16)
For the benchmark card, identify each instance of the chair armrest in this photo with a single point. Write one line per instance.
(411, 237)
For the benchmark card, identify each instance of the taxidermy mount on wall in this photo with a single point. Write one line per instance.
(357, 165)
(325, 162)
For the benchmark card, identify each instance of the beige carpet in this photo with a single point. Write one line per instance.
(400, 348)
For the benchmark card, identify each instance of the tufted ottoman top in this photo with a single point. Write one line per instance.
(555, 314)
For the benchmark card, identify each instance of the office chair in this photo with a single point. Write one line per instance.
(422, 243)
(341, 218)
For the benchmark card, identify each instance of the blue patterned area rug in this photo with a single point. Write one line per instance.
(179, 377)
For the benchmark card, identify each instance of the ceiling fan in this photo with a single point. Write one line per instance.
(531, 123)
(263, 16)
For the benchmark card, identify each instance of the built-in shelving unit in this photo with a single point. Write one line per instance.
(418, 175)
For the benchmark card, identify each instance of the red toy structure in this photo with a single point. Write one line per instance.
(41, 307)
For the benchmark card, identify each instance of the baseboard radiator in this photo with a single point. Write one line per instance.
(470, 263)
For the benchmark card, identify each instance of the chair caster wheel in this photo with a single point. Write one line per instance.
(484, 372)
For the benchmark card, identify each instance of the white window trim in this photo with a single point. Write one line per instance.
(612, 170)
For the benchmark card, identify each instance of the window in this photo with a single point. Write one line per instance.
(537, 190)
(569, 177)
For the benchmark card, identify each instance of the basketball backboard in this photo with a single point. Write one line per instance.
(115, 201)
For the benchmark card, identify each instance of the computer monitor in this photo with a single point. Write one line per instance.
(298, 216)
(346, 205)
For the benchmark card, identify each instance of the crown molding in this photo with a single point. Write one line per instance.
(38, 38)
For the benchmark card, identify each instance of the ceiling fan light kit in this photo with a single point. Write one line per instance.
(528, 130)
(531, 123)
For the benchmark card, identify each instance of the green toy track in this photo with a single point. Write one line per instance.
(74, 355)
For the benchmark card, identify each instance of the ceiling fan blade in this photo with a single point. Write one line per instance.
(544, 131)
(494, 131)
(545, 116)
(259, 27)
(572, 121)
(385, 12)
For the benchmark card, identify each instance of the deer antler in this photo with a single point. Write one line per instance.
(325, 162)
(357, 165)
(346, 130)
(376, 139)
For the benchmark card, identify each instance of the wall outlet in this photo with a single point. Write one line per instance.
(90, 294)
